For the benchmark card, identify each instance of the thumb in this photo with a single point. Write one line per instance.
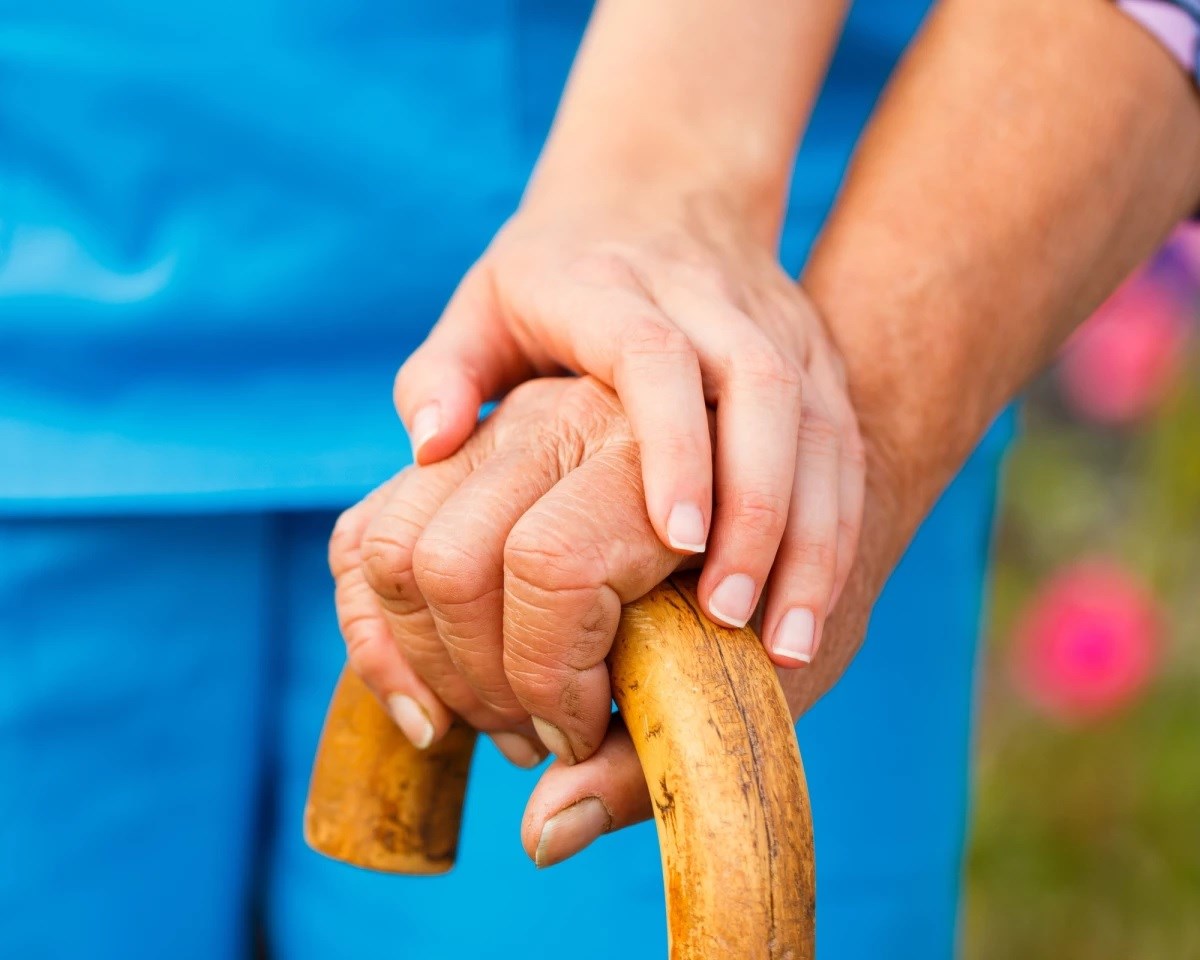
(573, 805)
(468, 358)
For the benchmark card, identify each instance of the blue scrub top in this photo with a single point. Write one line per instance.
(225, 225)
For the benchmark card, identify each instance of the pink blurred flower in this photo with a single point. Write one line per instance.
(1089, 642)
(1125, 359)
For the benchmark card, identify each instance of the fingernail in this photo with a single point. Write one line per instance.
(517, 749)
(425, 424)
(795, 635)
(733, 601)
(572, 829)
(555, 740)
(412, 720)
(685, 528)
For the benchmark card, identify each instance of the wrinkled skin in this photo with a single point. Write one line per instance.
(512, 559)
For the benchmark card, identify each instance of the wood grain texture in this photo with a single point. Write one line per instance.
(375, 800)
(715, 740)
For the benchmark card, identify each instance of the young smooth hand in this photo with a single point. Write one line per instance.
(688, 317)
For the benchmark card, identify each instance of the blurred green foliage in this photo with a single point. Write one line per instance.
(1086, 842)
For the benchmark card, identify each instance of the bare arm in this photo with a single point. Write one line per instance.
(1026, 158)
(713, 91)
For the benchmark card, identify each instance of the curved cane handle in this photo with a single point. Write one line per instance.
(715, 740)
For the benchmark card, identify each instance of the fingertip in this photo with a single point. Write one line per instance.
(566, 813)
(421, 717)
(439, 427)
(686, 528)
(558, 743)
(732, 601)
(677, 486)
(438, 399)
(412, 719)
(413, 707)
(572, 830)
(787, 662)
(793, 642)
(612, 778)
(425, 426)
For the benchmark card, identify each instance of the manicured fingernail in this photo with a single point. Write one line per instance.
(685, 528)
(517, 749)
(555, 740)
(572, 829)
(412, 720)
(795, 635)
(733, 601)
(425, 424)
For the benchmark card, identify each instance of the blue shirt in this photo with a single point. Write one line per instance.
(225, 225)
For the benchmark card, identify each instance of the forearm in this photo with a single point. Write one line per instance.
(1026, 158)
(710, 94)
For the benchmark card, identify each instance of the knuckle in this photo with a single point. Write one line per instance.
(762, 511)
(682, 450)
(764, 365)
(704, 276)
(849, 530)
(446, 570)
(649, 336)
(587, 408)
(539, 554)
(780, 306)
(818, 432)
(853, 449)
(720, 285)
(528, 393)
(387, 563)
(813, 552)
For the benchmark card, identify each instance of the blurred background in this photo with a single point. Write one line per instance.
(1086, 843)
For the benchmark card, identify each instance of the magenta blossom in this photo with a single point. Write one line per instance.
(1089, 643)
(1122, 363)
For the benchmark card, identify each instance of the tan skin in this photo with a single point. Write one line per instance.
(1026, 158)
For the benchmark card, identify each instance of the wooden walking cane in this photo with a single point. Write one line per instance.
(715, 740)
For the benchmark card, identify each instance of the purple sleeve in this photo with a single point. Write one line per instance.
(1176, 24)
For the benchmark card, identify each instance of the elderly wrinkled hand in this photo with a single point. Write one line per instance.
(686, 313)
(489, 585)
